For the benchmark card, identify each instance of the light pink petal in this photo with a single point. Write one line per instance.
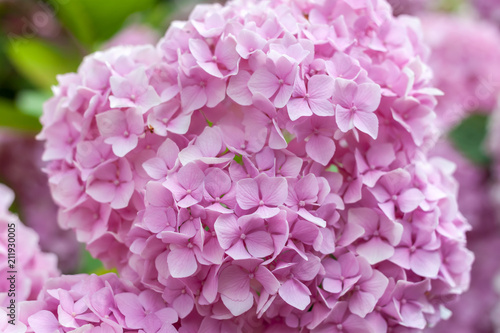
(238, 90)
(274, 191)
(344, 92)
(296, 294)
(247, 193)
(298, 107)
(268, 280)
(155, 168)
(320, 87)
(283, 96)
(193, 98)
(200, 50)
(425, 263)
(44, 322)
(101, 191)
(367, 123)
(122, 195)
(413, 316)
(410, 199)
(263, 82)
(227, 230)
(237, 307)
(190, 176)
(344, 118)
(375, 250)
(368, 97)
(182, 263)
(321, 107)
(320, 148)
(226, 54)
(304, 213)
(183, 305)
(362, 303)
(234, 283)
(259, 244)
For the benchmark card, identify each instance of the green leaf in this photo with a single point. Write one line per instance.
(97, 20)
(468, 138)
(40, 61)
(91, 265)
(11, 117)
(30, 102)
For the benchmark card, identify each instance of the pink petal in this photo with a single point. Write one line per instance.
(296, 294)
(344, 118)
(298, 107)
(182, 263)
(259, 244)
(237, 307)
(366, 123)
(247, 193)
(263, 82)
(410, 199)
(368, 97)
(425, 263)
(227, 230)
(274, 190)
(321, 107)
(44, 322)
(238, 90)
(320, 87)
(375, 250)
(320, 148)
(183, 305)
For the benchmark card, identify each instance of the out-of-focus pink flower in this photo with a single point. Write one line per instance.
(20, 252)
(21, 170)
(133, 35)
(465, 59)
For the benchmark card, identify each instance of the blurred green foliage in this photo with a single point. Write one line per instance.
(93, 21)
(469, 138)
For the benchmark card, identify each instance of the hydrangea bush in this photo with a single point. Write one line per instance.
(264, 167)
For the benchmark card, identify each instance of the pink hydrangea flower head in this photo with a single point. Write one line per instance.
(263, 168)
(19, 247)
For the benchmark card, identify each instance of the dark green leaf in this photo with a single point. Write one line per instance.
(468, 138)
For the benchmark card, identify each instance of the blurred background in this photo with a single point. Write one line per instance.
(40, 39)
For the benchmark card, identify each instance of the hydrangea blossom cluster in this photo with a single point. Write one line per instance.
(34, 266)
(91, 303)
(466, 63)
(264, 168)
